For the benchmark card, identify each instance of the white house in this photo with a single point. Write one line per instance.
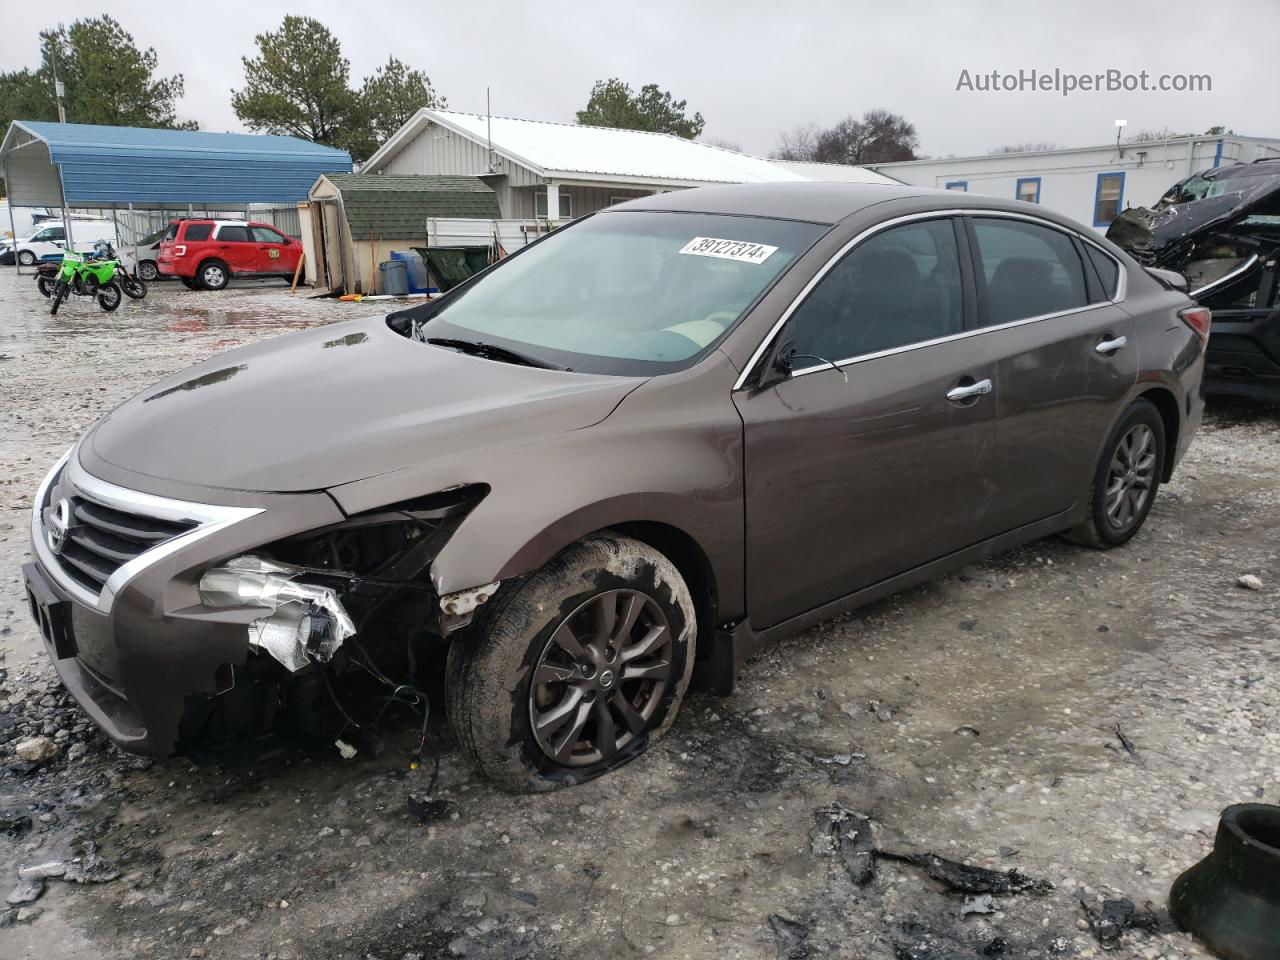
(558, 171)
(1090, 184)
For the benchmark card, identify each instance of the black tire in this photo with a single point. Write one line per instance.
(148, 271)
(190, 283)
(134, 288)
(26, 258)
(46, 285)
(59, 294)
(1120, 498)
(109, 296)
(213, 275)
(491, 694)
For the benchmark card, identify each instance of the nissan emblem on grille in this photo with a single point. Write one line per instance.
(57, 523)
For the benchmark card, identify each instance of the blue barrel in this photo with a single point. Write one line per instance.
(419, 281)
(395, 277)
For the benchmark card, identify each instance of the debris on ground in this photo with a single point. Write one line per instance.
(27, 891)
(1249, 581)
(13, 823)
(842, 833)
(1109, 922)
(982, 903)
(1128, 744)
(791, 935)
(86, 866)
(36, 750)
(969, 879)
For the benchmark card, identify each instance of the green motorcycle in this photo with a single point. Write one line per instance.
(85, 277)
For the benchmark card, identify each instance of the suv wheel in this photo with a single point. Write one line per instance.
(26, 257)
(213, 275)
(1126, 479)
(573, 671)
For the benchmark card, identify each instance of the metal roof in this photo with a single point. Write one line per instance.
(833, 172)
(102, 166)
(568, 151)
(397, 207)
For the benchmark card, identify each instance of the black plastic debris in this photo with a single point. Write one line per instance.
(1114, 918)
(1230, 900)
(426, 809)
(967, 879)
(791, 935)
(848, 836)
(13, 823)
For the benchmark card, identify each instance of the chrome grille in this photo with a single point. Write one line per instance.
(101, 539)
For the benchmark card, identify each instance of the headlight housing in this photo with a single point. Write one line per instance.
(306, 623)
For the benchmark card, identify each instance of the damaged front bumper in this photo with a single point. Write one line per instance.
(114, 588)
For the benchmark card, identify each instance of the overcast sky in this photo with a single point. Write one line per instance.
(752, 68)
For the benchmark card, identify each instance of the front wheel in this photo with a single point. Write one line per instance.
(109, 296)
(26, 257)
(575, 670)
(1125, 480)
(132, 286)
(60, 290)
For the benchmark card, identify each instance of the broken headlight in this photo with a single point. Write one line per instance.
(306, 621)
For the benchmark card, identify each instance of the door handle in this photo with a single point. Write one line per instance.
(969, 391)
(1110, 345)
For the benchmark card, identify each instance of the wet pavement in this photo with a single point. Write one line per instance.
(974, 717)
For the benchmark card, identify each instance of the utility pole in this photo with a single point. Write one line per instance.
(58, 89)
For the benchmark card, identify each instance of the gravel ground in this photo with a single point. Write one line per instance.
(974, 717)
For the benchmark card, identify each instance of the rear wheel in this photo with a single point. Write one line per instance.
(574, 671)
(148, 271)
(109, 296)
(1126, 479)
(133, 287)
(46, 285)
(213, 275)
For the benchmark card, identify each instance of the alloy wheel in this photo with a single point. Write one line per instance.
(213, 277)
(1131, 476)
(26, 258)
(148, 271)
(601, 678)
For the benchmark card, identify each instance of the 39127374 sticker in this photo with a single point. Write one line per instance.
(744, 251)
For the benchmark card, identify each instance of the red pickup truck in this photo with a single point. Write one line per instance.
(206, 254)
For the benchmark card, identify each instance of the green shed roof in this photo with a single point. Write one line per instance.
(397, 207)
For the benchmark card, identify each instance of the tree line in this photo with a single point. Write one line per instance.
(299, 84)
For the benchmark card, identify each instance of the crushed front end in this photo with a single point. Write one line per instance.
(170, 620)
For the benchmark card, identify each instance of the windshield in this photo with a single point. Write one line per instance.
(635, 293)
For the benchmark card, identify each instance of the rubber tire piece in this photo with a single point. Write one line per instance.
(226, 275)
(491, 662)
(1096, 531)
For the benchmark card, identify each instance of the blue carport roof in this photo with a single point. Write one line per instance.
(116, 166)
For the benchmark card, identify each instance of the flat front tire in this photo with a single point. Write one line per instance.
(1125, 479)
(573, 671)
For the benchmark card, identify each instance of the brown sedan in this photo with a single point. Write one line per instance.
(620, 460)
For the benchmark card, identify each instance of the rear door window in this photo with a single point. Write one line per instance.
(1108, 270)
(1028, 270)
(198, 231)
(233, 234)
(898, 287)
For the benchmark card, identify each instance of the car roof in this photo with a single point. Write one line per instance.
(821, 202)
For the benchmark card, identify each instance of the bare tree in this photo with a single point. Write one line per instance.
(879, 137)
(723, 144)
(798, 143)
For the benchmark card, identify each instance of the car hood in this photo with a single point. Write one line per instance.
(311, 410)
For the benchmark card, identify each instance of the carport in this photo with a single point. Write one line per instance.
(75, 165)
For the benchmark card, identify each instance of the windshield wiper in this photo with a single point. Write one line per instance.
(490, 351)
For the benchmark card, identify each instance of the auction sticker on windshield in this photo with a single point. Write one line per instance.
(741, 250)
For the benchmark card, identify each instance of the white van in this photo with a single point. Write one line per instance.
(50, 238)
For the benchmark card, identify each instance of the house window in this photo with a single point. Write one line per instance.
(961, 185)
(1028, 189)
(1108, 198)
(540, 205)
(616, 200)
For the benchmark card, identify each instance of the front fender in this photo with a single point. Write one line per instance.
(671, 453)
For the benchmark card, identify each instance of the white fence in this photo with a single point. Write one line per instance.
(459, 232)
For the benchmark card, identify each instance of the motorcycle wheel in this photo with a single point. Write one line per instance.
(46, 285)
(59, 294)
(109, 296)
(133, 287)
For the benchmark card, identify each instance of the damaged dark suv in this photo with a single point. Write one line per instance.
(1220, 230)
(615, 463)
